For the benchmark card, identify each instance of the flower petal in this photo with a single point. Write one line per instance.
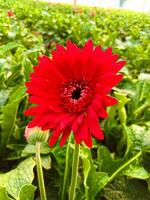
(65, 135)
(109, 101)
(94, 125)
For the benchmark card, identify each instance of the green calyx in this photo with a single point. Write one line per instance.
(34, 135)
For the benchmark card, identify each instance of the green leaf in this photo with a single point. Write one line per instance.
(123, 100)
(34, 50)
(104, 157)
(136, 171)
(4, 94)
(3, 194)
(138, 137)
(30, 149)
(9, 116)
(9, 113)
(129, 167)
(96, 181)
(27, 67)
(85, 155)
(18, 93)
(18, 177)
(14, 79)
(2, 80)
(86, 170)
(46, 162)
(9, 46)
(140, 101)
(126, 189)
(27, 192)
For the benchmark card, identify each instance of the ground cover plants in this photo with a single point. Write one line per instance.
(117, 167)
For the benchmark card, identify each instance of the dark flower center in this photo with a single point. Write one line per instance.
(75, 95)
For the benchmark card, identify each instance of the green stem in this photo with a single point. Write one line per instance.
(40, 172)
(123, 166)
(66, 170)
(74, 172)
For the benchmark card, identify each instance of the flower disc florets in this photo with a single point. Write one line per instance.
(70, 91)
(75, 95)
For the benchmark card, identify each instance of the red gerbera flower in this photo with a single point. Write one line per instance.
(10, 13)
(71, 91)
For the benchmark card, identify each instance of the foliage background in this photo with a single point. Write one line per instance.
(117, 168)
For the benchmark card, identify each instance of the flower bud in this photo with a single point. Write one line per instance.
(10, 13)
(33, 135)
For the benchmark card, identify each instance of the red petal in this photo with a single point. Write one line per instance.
(118, 66)
(98, 107)
(84, 133)
(110, 79)
(108, 52)
(83, 130)
(94, 125)
(89, 141)
(47, 126)
(60, 48)
(88, 45)
(64, 119)
(65, 135)
(71, 47)
(77, 138)
(47, 69)
(109, 101)
(54, 137)
(98, 52)
(34, 90)
(34, 122)
(102, 113)
(36, 111)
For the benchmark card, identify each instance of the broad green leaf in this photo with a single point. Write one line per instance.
(18, 93)
(138, 137)
(3, 194)
(126, 189)
(18, 177)
(137, 171)
(106, 162)
(27, 192)
(4, 94)
(9, 114)
(140, 102)
(15, 79)
(15, 151)
(96, 181)
(131, 167)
